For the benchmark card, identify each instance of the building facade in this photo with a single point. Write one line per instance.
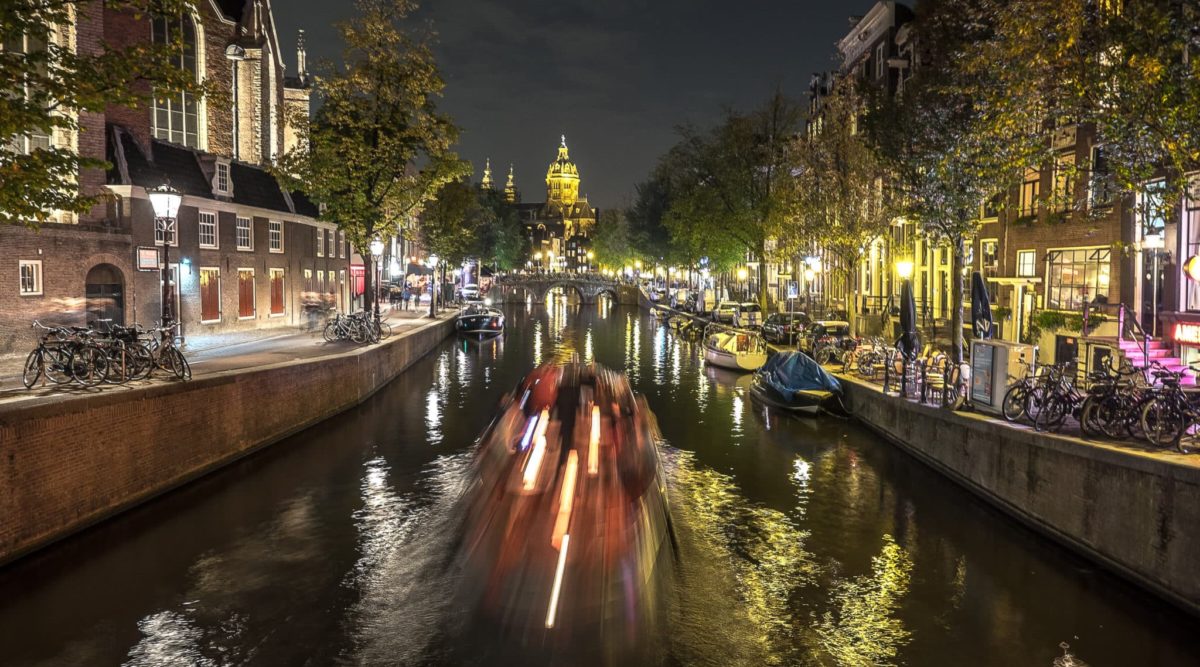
(245, 253)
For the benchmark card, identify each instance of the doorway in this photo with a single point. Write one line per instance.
(104, 292)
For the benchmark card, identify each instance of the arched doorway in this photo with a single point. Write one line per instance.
(105, 292)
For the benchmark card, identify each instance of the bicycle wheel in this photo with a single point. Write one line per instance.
(1113, 418)
(33, 369)
(1052, 414)
(824, 356)
(172, 361)
(141, 361)
(330, 333)
(385, 331)
(56, 364)
(358, 333)
(1161, 423)
(120, 364)
(1089, 417)
(89, 365)
(1189, 440)
(1015, 401)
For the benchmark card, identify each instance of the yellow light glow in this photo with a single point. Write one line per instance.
(594, 443)
(537, 255)
(904, 269)
(566, 499)
(637, 264)
(556, 589)
(742, 273)
(591, 255)
(809, 274)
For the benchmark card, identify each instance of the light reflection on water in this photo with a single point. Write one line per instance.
(800, 542)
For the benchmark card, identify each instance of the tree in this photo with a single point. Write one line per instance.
(733, 188)
(378, 149)
(45, 85)
(841, 203)
(452, 223)
(611, 239)
(503, 241)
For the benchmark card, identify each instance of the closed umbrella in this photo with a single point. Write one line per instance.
(910, 341)
(981, 307)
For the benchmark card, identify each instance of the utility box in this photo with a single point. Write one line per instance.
(995, 365)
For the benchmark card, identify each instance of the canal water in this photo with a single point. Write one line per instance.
(799, 542)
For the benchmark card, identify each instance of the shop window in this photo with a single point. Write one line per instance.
(1076, 276)
(1192, 219)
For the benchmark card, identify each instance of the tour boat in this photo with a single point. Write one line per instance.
(480, 320)
(735, 349)
(795, 382)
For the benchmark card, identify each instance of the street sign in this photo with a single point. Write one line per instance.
(147, 259)
(793, 290)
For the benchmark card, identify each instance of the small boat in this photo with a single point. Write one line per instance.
(795, 382)
(479, 320)
(734, 349)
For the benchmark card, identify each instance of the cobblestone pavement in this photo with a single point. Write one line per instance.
(214, 354)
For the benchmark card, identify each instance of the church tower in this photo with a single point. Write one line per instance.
(562, 180)
(486, 183)
(510, 188)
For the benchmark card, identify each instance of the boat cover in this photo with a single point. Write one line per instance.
(789, 372)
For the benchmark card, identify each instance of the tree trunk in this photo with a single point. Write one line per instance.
(851, 299)
(368, 282)
(956, 303)
(762, 276)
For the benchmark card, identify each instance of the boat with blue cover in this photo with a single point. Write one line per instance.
(795, 382)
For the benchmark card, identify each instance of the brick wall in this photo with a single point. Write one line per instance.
(68, 464)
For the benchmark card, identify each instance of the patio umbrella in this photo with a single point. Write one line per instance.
(909, 342)
(981, 307)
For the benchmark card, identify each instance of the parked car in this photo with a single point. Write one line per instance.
(470, 292)
(748, 316)
(725, 312)
(784, 328)
(706, 301)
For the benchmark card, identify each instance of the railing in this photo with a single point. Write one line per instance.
(1127, 324)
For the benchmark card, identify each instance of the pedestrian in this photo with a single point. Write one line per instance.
(404, 297)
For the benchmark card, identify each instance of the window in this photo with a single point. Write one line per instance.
(989, 250)
(332, 243)
(1064, 174)
(990, 208)
(880, 62)
(1191, 217)
(1103, 188)
(1027, 263)
(222, 178)
(38, 138)
(246, 306)
(1030, 189)
(30, 271)
(308, 280)
(210, 295)
(341, 244)
(1076, 275)
(174, 117)
(275, 232)
(1154, 210)
(321, 282)
(245, 234)
(208, 229)
(276, 292)
(320, 243)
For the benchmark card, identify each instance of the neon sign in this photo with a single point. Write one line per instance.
(1187, 333)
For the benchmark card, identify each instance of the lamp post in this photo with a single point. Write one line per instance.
(742, 274)
(590, 256)
(538, 256)
(376, 274)
(433, 286)
(165, 201)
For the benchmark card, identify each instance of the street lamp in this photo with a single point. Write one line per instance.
(904, 269)
(809, 274)
(376, 274)
(433, 262)
(165, 201)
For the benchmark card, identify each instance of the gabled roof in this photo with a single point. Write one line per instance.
(252, 185)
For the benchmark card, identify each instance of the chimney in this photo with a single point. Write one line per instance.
(301, 60)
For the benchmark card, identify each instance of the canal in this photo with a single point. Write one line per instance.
(800, 542)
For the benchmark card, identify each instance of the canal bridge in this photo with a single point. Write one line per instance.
(588, 287)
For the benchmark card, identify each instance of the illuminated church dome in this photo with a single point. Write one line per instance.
(562, 179)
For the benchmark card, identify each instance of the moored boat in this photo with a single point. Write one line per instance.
(734, 349)
(793, 381)
(479, 320)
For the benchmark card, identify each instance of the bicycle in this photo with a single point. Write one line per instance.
(50, 359)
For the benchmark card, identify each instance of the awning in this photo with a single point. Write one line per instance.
(418, 270)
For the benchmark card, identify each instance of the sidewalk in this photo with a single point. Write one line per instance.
(215, 353)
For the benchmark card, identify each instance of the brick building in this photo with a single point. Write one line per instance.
(245, 254)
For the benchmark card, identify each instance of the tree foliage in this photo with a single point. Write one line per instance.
(45, 85)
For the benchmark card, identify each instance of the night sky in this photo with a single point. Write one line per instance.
(616, 76)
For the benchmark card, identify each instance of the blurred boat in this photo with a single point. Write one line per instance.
(793, 381)
(734, 349)
(478, 319)
(567, 536)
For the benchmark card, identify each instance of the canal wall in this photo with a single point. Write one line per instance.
(67, 464)
(1138, 513)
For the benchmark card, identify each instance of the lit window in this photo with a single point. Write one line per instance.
(174, 116)
(208, 230)
(30, 271)
(1030, 189)
(1076, 276)
(1027, 263)
(988, 248)
(275, 233)
(245, 234)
